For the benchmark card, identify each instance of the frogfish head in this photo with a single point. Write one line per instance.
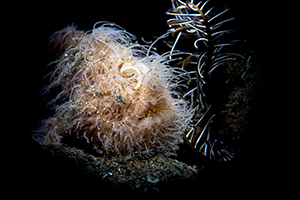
(114, 95)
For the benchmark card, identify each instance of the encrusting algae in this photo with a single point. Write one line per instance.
(117, 95)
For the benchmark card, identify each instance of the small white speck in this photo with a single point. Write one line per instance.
(104, 176)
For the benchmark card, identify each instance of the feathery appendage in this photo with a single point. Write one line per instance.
(198, 23)
(115, 95)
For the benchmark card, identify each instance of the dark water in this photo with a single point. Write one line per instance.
(28, 56)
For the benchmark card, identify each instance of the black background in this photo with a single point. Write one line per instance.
(26, 31)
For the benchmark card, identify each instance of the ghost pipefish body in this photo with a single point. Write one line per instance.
(198, 22)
